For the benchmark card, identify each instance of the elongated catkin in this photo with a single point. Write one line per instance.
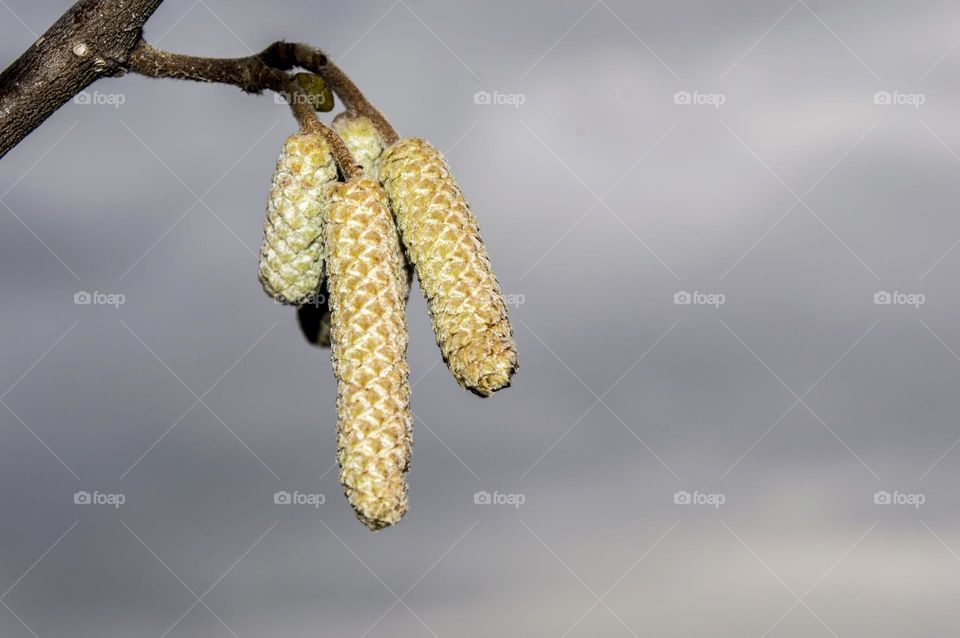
(366, 146)
(363, 141)
(291, 255)
(369, 345)
(443, 242)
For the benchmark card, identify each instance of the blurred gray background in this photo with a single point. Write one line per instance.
(629, 152)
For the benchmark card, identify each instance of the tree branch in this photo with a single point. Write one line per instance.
(252, 75)
(99, 38)
(93, 39)
(286, 55)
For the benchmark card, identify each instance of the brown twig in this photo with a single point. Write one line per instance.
(286, 55)
(98, 38)
(251, 74)
(309, 123)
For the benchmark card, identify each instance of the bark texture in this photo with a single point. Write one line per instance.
(93, 39)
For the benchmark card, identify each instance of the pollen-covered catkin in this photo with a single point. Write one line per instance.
(291, 255)
(363, 141)
(361, 137)
(369, 345)
(443, 242)
(366, 146)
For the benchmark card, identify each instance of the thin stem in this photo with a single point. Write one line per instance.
(286, 55)
(253, 75)
(354, 100)
(310, 123)
(249, 73)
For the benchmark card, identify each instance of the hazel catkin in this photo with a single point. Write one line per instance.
(361, 137)
(443, 242)
(366, 146)
(291, 255)
(364, 143)
(369, 344)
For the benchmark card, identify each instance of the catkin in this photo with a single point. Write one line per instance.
(443, 242)
(366, 147)
(361, 137)
(369, 344)
(291, 255)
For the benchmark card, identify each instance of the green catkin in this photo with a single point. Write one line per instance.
(291, 255)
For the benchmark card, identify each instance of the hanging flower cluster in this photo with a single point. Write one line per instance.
(342, 246)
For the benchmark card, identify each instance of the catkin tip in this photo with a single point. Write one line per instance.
(495, 378)
(362, 139)
(379, 514)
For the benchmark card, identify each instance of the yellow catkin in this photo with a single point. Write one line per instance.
(443, 242)
(364, 143)
(291, 255)
(361, 137)
(366, 146)
(369, 344)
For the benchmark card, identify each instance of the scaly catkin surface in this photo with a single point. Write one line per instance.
(360, 136)
(369, 344)
(363, 141)
(443, 242)
(291, 255)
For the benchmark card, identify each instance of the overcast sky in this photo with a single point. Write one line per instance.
(774, 458)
